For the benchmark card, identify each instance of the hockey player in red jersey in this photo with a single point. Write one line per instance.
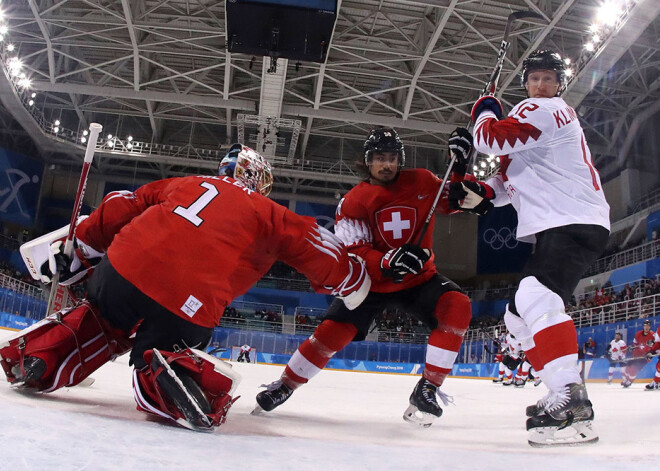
(655, 349)
(168, 259)
(379, 220)
(641, 347)
(546, 173)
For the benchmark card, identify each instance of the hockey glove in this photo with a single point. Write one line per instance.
(408, 258)
(471, 197)
(487, 102)
(460, 145)
(71, 269)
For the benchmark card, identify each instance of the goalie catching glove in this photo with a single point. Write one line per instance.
(407, 259)
(72, 268)
(355, 287)
(471, 197)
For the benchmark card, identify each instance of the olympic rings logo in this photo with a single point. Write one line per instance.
(500, 239)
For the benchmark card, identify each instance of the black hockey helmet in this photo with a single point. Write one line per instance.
(384, 140)
(646, 322)
(544, 59)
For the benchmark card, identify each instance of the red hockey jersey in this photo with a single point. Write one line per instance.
(372, 219)
(643, 343)
(193, 244)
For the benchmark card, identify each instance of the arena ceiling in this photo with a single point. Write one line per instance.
(159, 72)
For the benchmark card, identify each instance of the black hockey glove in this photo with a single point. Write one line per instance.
(407, 259)
(71, 269)
(470, 197)
(460, 145)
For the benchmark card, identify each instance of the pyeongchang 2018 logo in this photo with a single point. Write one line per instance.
(499, 239)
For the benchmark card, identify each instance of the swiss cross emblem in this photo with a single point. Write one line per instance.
(396, 224)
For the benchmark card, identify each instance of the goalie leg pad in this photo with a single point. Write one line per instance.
(190, 387)
(70, 349)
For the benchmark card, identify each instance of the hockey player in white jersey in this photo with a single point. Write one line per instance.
(547, 174)
(616, 352)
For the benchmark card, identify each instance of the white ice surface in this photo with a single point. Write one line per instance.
(339, 421)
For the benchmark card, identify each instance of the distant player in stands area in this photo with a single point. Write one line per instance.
(616, 353)
(547, 174)
(167, 259)
(380, 220)
(244, 355)
(641, 348)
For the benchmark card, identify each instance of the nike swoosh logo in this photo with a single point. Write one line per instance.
(421, 197)
(444, 283)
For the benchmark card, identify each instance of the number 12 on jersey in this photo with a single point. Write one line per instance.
(191, 213)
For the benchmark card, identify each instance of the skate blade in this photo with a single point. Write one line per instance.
(415, 416)
(578, 434)
(85, 383)
(258, 410)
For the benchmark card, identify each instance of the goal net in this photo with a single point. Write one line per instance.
(236, 353)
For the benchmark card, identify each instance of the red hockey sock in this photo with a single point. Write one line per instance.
(453, 312)
(315, 352)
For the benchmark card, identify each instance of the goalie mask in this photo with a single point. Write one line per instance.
(248, 167)
(384, 140)
(545, 60)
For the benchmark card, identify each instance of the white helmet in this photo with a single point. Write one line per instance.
(248, 167)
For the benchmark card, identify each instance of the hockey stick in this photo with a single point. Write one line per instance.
(489, 88)
(57, 292)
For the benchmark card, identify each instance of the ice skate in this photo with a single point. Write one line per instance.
(424, 408)
(565, 420)
(32, 370)
(507, 382)
(498, 380)
(185, 393)
(519, 383)
(275, 395)
(625, 383)
(541, 404)
(537, 382)
(652, 386)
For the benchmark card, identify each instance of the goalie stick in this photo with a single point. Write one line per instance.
(489, 88)
(57, 292)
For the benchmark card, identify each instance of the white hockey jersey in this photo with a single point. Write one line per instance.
(513, 347)
(618, 350)
(546, 171)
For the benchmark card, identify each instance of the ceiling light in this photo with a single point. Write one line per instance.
(85, 132)
(129, 138)
(57, 122)
(11, 47)
(109, 136)
(83, 139)
(609, 13)
(31, 102)
(595, 39)
(4, 29)
(34, 95)
(56, 129)
(589, 47)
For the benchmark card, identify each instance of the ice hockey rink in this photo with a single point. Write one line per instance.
(341, 420)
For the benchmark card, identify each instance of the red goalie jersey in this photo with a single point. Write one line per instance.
(193, 244)
(372, 219)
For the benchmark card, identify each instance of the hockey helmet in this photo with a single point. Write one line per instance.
(384, 140)
(248, 167)
(545, 59)
(646, 322)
